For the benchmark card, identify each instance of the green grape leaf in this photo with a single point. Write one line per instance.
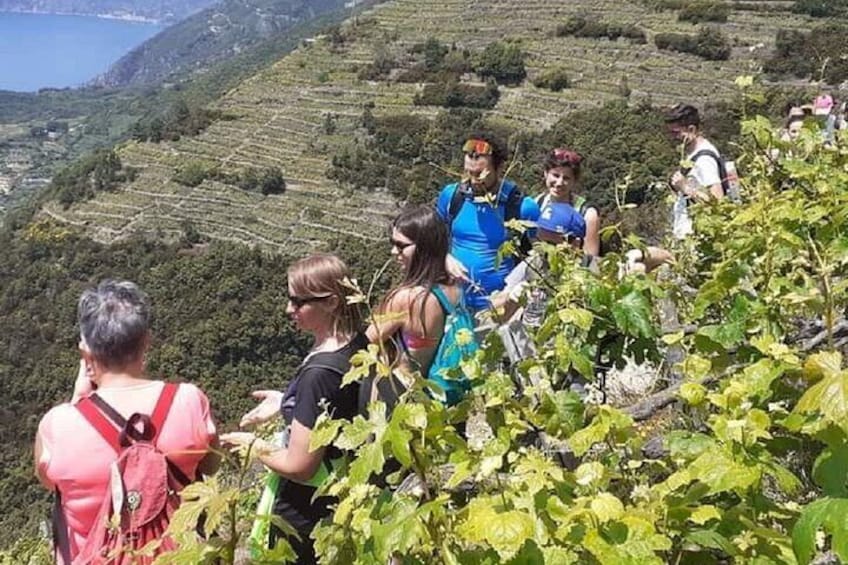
(712, 540)
(829, 514)
(703, 514)
(370, 459)
(324, 432)
(606, 507)
(632, 314)
(822, 364)
(829, 398)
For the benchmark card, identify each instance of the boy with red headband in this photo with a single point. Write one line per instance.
(477, 210)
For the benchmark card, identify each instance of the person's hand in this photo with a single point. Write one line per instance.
(244, 442)
(268, 407)
(456, 269)
(678, 181)
(518, 291)
(82, 385)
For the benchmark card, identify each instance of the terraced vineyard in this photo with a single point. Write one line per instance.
(282, 113)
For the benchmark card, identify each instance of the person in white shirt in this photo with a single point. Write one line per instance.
(702, 178)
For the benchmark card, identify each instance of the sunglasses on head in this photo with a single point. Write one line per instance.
(567, 156)
(300, 301)
(400, 245)
(477, 147)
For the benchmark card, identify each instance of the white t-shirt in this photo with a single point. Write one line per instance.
(704, 173)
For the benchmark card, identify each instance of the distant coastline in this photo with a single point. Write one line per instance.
(121, 17)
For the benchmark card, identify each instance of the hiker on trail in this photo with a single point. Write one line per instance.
(700, 181)
(78, 442)
(318, 306)
(476, 211)
(421, 316)
(562, 180)
(559, 223)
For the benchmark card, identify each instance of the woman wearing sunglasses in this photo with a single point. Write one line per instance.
(562, 181)
(318, 306)
(412, 317)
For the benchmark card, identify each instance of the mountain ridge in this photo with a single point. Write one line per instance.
(161, 11)
(210, 35)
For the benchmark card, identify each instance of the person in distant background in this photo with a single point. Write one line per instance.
(703, 180)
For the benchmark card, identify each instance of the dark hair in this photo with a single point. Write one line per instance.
(499, 151)
(683, 114)
(423, 226)
(563, 157)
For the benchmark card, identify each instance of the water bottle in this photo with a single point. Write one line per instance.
(534, 312)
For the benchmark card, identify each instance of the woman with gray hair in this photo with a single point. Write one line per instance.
(74, 455)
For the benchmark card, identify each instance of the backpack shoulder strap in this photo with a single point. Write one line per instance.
(163, 406)
(722, 172)
(88, 408)
(61, 535)
(580, 204)
(512, 207)
(443, 299)
(456, 202)
(542, 199)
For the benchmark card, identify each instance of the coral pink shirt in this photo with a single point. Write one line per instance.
(76, 459)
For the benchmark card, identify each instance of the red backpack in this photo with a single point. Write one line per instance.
(143, 491)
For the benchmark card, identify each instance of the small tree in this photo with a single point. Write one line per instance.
(554, 79)
(272, 181)
(504, 62)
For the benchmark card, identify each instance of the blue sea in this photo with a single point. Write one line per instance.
(38, 51)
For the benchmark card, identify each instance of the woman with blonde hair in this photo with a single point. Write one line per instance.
(317, 305)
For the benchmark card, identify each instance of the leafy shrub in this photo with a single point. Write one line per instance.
(708, 11)
(455, 94)
(272, 181)
(820, 8)
(710, 43)
(181, 119)
(554, 79)
(100, 171)
(379, 68)
(503, 62)
(805, 54)
(580, 26)
(434, 53)
(194, 172)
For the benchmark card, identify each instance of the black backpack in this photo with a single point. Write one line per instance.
(722, 169)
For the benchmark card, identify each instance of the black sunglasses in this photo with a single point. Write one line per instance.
(400, 245)
(299, 301)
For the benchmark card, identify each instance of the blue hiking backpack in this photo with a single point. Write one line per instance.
(457, 343)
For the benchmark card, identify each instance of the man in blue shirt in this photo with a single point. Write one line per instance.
(476, 211)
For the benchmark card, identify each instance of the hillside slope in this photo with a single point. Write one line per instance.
(302, 111)
(215, 34)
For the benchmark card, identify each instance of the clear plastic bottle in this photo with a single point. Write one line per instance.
(534, 312)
